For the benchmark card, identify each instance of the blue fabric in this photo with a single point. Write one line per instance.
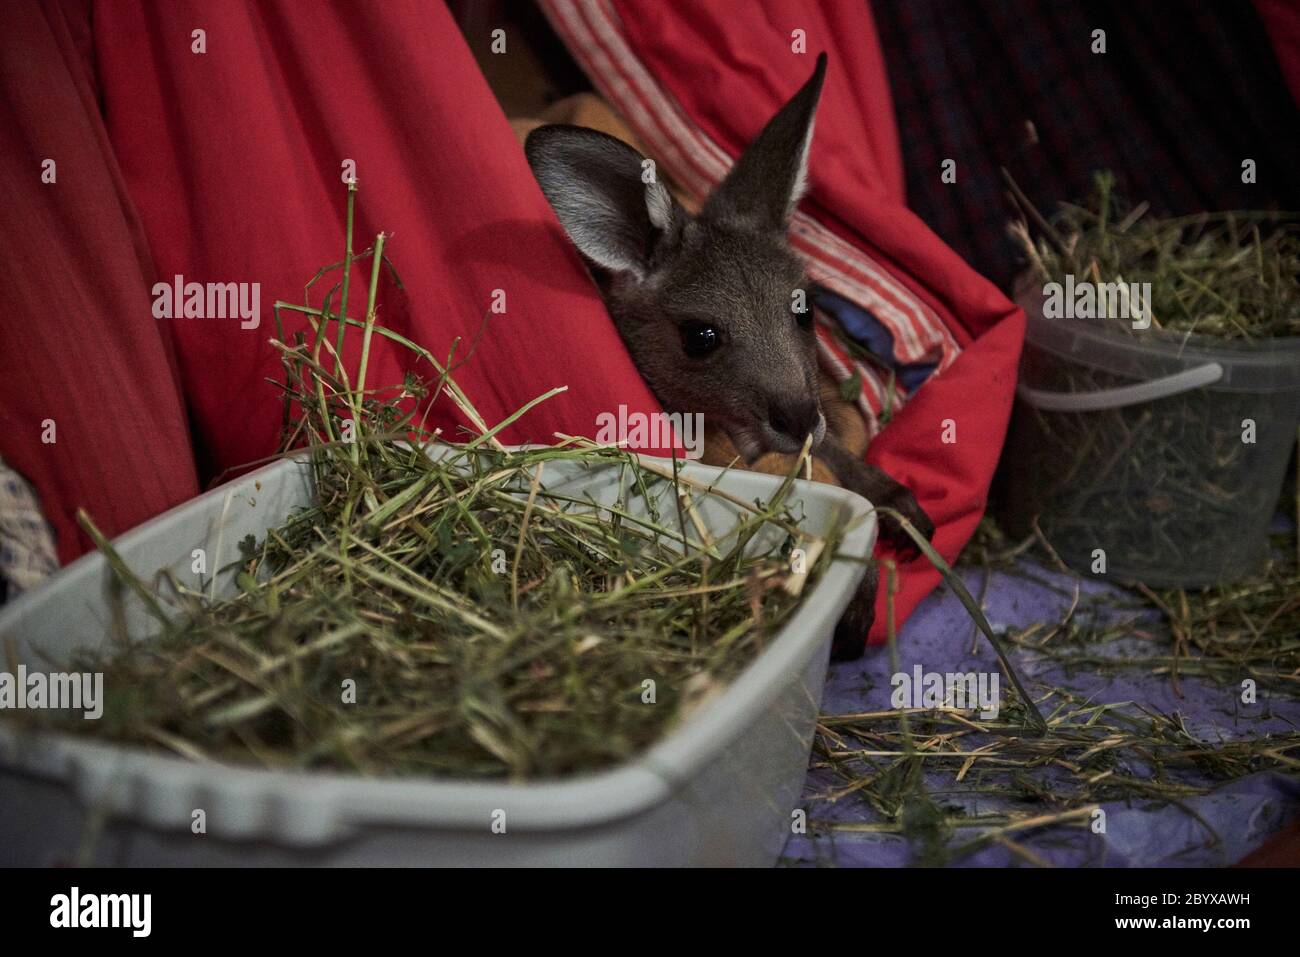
(868, 332)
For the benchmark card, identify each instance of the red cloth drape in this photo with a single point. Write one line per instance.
(1282, 22)
(81, 361)
(232, 158)
(729, 67)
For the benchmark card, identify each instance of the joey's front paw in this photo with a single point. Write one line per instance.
(871, 482)
(901, 500)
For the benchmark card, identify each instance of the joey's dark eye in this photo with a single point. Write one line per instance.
(699, 338)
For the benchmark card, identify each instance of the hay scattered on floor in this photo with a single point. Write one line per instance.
(918, 771)
(1093, 753)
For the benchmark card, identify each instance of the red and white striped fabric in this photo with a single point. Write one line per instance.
(594, 34)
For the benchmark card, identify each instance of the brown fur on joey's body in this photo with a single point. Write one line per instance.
(707, 304)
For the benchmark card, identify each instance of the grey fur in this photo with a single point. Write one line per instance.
(730, 267)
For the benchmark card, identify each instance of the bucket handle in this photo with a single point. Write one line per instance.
(1140, 392)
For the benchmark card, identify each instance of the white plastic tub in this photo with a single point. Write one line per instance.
(718, 790)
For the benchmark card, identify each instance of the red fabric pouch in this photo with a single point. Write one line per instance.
(697, 82)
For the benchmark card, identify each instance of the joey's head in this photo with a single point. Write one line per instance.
(715, 308)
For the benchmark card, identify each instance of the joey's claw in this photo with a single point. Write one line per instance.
(898, 539)
(905, 503)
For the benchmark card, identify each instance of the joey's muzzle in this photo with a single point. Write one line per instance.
(794, 421)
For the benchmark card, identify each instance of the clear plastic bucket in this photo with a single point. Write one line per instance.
(1157, 457)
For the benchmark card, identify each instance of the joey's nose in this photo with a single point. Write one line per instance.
(797, 420)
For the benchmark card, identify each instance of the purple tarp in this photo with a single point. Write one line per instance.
(1213, 829)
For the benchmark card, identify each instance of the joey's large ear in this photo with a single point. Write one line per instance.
(771, 176)
(597, 186)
